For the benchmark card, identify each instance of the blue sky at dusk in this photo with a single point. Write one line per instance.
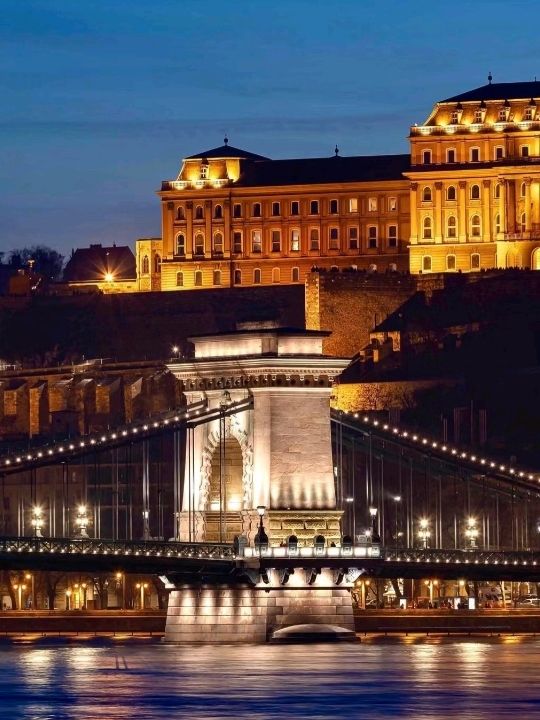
(101, 100)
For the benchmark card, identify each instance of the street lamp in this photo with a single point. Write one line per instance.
(375, 537)
(109, 277)
(424, 533)
(471, 532)
(430, 585)
(142, 587)
(68, 598)
(120, 578)
(175, 349)
(29, 576)
(261, 538)
(397, 500)
(37, 520)
(81, 521)
(364, 586)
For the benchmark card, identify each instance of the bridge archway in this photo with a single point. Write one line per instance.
(535, 259)
(226, 480)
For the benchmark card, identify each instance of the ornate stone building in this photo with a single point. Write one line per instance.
(232, 218)
(467, 198)
(475, 178)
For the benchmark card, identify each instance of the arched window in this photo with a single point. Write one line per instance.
(218, 212)
(145, 265)
(314, 239)
(522, 190)
(426, 263)
(295, 274)
(199, 212)
(216, 277)
(497, 191)
(276, 275)
(157, 264)
(426, 194)
(451, 193)
(180, 244)
(497, 223)
(475, 226)
(180, 213)
(475, 261)
(179, 279)
(450, 262)
(199, 244)
(256, 276)
(237, 277)
(198, 278)
(451, 227)
(523, 222)
(427, 231)
(475, 192)
(218, 243)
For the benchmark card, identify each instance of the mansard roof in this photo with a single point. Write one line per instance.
(335, 169)
(226, 151)
(499, 91)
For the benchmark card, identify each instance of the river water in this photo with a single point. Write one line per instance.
(406, 678)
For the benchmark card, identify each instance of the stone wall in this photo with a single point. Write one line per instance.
(372, 396)
(351, 304)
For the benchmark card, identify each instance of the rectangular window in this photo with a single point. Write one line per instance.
(426, 157)
(524, 151)
(477, 116)
(295, 240)
(276, 210)
(333, 207)
(499, 153)
(276, 240)
(372, 204)
(353, 204)
(314, 239)
(314, 207)
(502, 115)
(237, 210)
(257, 210)
(353, 238)
(333, 240)
(237, 277)
(372, 236)
(528, 113)
(295, 207)
(392, 236)
(454, 118)
(237, 242)
(256, 245)
(392, 204)
(475, 155)
(451, 156)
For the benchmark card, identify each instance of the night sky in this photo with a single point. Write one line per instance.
(101, 100)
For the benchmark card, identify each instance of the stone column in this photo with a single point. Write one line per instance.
(413, 195)
(486, 210)
(502, 205)
(189, 229)
(439, 231)
(528, 223)
(462, 212)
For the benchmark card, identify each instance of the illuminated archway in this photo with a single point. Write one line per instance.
(226, 480)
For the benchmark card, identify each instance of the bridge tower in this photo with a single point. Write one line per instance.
(277, 454)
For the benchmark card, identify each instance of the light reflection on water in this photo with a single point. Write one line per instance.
(426, 679)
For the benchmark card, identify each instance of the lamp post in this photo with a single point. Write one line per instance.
(364, 585)
(375, 537)
(471, 533)
(350, 500)
(397, 500)
(81, 522)
(430, 585)
(261, 538)
(37, 520)
(83, 588)
(424, 533)
(68, 598)
(120, 578)
(31, 578)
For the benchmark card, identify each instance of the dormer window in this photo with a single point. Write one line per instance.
(204, 170)
(528, 115)
(454, 118)
(478, 116)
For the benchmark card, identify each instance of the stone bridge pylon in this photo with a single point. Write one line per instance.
(278, 454)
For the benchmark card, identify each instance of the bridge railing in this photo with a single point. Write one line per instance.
(460, 556)
(133, 548)
(354, 551)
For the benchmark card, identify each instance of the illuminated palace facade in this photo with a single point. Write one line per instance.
(465, 199)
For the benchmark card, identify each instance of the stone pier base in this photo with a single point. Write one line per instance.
(247, 614)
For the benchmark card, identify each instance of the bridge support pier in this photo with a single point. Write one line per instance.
(243, 613)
